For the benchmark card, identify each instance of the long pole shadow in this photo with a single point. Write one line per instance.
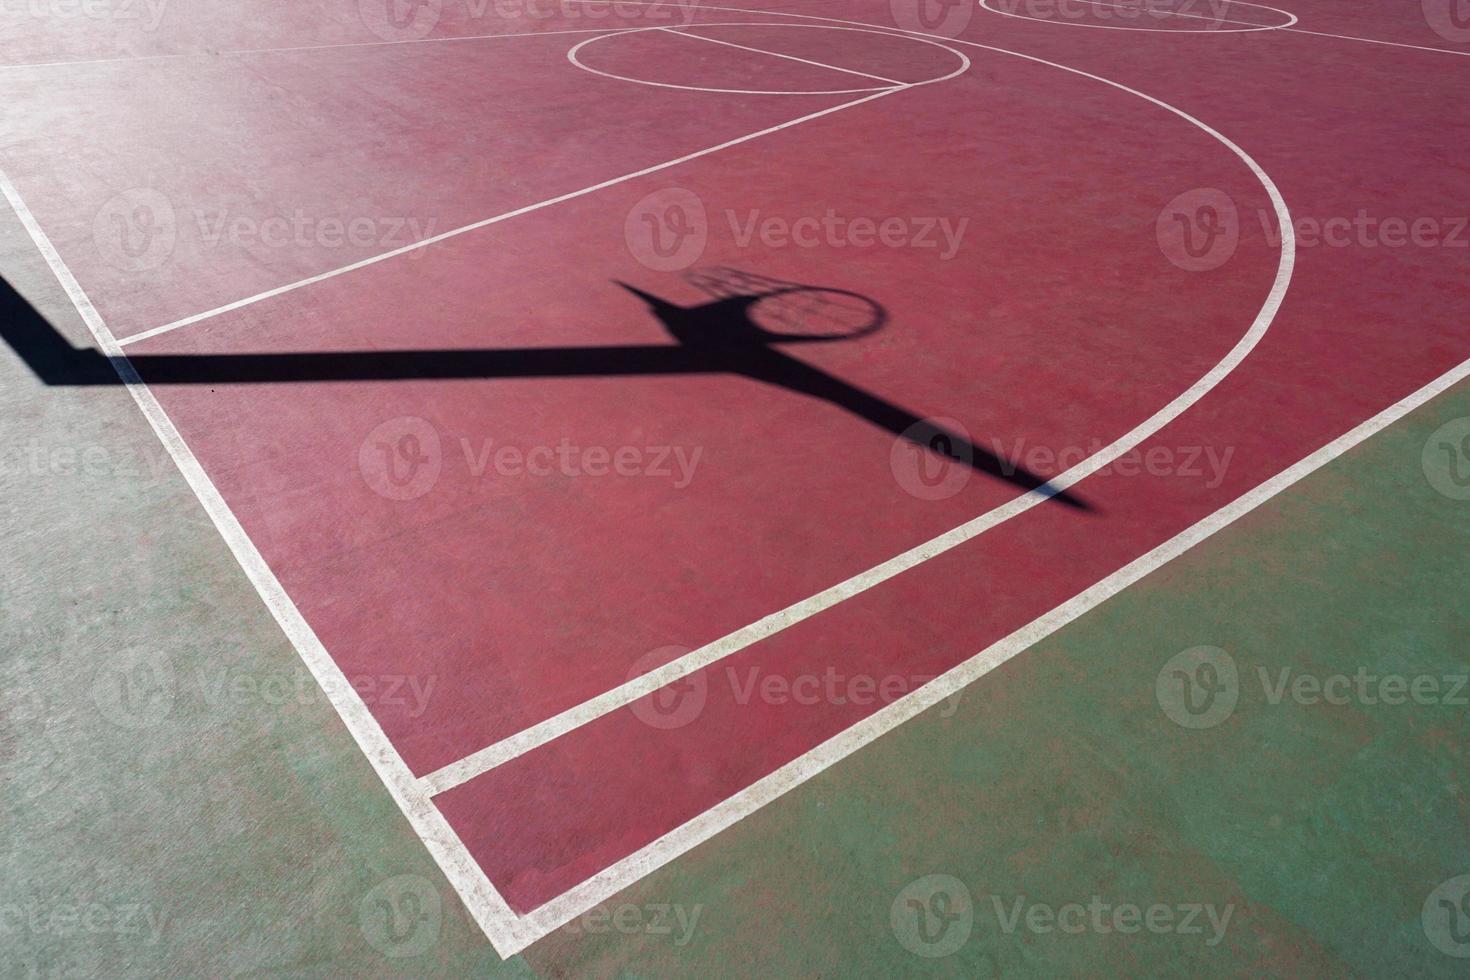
(718, 337)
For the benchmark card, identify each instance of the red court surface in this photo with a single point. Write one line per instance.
(1054, 283)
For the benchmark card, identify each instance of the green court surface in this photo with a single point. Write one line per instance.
(179, 799)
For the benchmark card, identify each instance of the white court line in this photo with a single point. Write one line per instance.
(776, 54)
(94, 61)
(486, 222)
(511, 938)
(1287, 27)
(498, 753)
(1374, 40)
(507, 932)
(1249, 26)
(730, 811)
(572, 56)
(500, 924)
(1203, 16)
(674, 843)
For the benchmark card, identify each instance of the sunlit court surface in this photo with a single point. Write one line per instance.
(807, 488)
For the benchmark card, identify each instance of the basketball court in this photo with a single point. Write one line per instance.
(630, 412)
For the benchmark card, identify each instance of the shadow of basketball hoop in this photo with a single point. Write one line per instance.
(745, 329)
